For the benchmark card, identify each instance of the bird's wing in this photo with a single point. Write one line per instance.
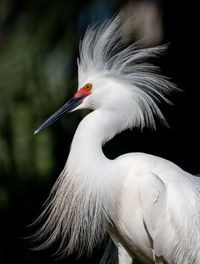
(153, 198)
(170, 213)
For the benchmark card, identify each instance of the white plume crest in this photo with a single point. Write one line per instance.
(103, 52)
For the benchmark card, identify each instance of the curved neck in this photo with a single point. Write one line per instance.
(95, 130)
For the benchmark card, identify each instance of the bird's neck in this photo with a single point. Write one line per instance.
(94, 130)
(87, 165)
(87, 187)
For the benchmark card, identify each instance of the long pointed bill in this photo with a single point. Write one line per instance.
(68, 107)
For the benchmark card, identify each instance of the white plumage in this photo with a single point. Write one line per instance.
(148, 205)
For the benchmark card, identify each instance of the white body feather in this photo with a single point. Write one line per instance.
(146, 203)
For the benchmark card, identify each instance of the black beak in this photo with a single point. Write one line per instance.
(68, 107)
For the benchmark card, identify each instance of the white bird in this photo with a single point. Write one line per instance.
(149, 206)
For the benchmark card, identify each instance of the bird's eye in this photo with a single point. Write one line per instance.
(88, 86)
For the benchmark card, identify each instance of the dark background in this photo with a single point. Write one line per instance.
(38, 73)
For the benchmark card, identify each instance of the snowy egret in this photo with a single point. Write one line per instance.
(148, 205)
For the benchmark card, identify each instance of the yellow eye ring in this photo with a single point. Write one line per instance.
(88, 86)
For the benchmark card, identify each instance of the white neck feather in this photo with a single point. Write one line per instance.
(84, 194)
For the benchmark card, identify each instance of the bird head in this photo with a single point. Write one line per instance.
(117, 77)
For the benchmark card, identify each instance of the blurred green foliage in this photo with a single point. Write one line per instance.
(34, 73)
(38, 46)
